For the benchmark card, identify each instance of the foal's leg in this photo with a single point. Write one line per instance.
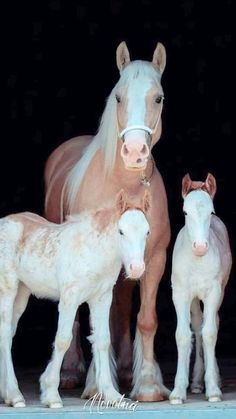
(198, 369)
(73, 367)
(209, 336)
(147, 379)
(120, 329)
(21, 301)
(49, 380)
(100, 339)
(183, 340)
(8, 382)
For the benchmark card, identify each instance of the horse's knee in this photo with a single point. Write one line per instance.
(209, 337)
(183, 339)
(63, 344)
(147, 325)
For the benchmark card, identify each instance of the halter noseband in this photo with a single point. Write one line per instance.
(143, 127)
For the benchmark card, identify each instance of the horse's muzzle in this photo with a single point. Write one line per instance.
(135, 149)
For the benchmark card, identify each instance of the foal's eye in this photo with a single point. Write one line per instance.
(212, 212)
(185, 213)
(148, 233)
(121, 232)
(159, 99)
(118, 99)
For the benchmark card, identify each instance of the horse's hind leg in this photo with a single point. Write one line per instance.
(73, 367)
(8, 382)
(198, 369)
(120, 329)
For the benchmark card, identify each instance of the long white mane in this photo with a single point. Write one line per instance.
(107, 135)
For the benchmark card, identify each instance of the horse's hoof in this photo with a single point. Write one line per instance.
(214, 399)
(176, 401)
(55, 405)
(150, 397)
(17, 403)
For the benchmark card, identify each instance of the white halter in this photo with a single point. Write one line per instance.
(143, 127)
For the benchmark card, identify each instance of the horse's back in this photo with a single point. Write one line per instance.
(59, 163)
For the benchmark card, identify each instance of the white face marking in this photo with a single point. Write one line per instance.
(198, 207)
(133, 231)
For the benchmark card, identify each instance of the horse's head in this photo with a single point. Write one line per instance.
(133, 230)
(139, 100)
(198, 209)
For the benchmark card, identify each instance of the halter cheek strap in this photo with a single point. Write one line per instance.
(143, 127)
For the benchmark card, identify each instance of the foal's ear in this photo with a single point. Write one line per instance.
(159, 57)
(146, 201)
(186, 185)
(121, 201)
(210, 185)
(122, 56)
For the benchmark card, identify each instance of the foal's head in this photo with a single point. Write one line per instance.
(139, 98)
(198, 209)
(133, 230)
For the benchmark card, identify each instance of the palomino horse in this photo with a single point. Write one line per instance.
(73, 262)
(85, 172)
(200, 271)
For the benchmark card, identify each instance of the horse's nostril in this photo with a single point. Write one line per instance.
(144, 149)
(139, 161)
(125, 150)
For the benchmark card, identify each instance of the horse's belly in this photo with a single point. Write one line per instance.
(39, 277)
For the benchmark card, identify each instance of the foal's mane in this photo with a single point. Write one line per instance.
(107, 135)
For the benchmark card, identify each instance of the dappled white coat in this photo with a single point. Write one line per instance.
(200, 270)
(73, 262)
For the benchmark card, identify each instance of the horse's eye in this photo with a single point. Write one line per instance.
(118, 99)
(121, 232)
(159, 99)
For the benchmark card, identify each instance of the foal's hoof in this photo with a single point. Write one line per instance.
(55, 405)
(15, 403)
(214, 399)
(176, 401)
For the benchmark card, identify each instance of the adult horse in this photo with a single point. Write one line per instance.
(87, 171)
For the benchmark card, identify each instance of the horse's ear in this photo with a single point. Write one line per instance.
(210, 185)
(159, 57)
(146, 201)
(121, 201)
(186, 185)
(122, 56)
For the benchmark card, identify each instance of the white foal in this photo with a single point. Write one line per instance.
(74, 262)
(200, 270)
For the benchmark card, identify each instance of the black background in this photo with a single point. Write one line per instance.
(60, 67)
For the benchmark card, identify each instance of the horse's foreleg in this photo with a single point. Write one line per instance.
(198, 369)
(209, 337)
(183, 336)
(8, 382)
(49, 380)
(120, 329)
(147, 379)
(73, 367)
(101, 342)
